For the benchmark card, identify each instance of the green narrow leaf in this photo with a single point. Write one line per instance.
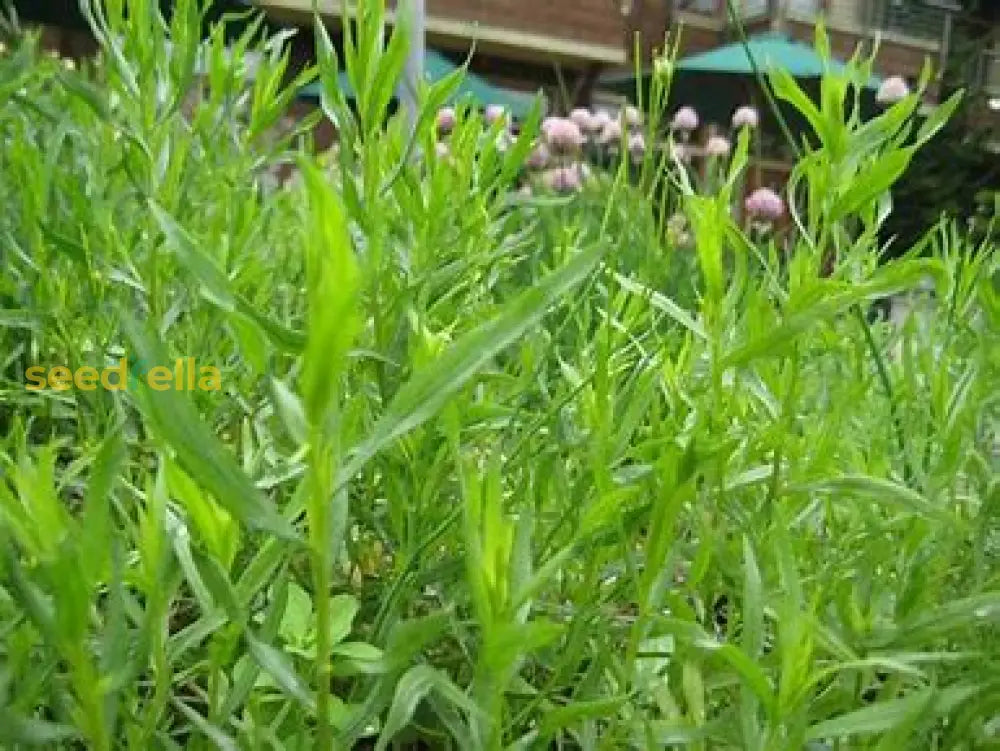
(939, 118)
(389, 70)
(886, 715)
(290, 410)
(753, 642)
(219, 739)
(18, 319)
(279, 666)
(563, 717)
(333, 284)
(28, 731)
(428, 390)
(253, 343)
(200, 453)
(876, 489)
(96, 525)
(872, 183)
(785, 87)
(662, 303)
(416, 684)
(215, 285)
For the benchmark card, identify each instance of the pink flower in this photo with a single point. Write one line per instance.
(632, 116)
(611, 133)
(583, 119)
(892, 90)
(685, 119)
(445, 120)
(564, 179)
(717, 146)
(495, 113)
(563, 136)
(637, 146)
(548, 123)
(599, 121)
(764, 203)
(745, 117)
(681, 152)
(538, 158)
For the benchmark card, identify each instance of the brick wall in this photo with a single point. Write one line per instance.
(648, 21)
(592, 21)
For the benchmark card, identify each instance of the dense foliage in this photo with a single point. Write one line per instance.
(485, 470)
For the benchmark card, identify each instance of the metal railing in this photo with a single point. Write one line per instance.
(990, 72)
(708, 7)
(921, 20)
(753, 8)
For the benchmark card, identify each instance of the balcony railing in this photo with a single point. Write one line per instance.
(708, 7)
(718, 8)
(921, 20)
(991, 72)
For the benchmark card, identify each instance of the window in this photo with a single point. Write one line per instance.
(991, 72)
(754, 8)
(804, 7)
(924, 20)
(700, 6)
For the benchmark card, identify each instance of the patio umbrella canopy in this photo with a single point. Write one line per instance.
(769, 52)
(718, 81)
(476, 88)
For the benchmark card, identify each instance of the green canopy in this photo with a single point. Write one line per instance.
(769, 52)
(436, 67)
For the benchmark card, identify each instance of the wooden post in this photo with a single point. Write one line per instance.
(414, 70)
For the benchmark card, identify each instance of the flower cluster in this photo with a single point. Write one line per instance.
(686, 121)
(557, 160)
(565, 141)
(764, 204)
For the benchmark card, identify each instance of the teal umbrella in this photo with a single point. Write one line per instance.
(770, 52)
(718, 81)
(476, 88)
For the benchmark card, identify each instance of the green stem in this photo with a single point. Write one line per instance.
(319, 539)
(883, 375)
(771, 101)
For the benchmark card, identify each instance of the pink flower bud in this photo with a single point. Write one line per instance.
(685, 119)
(445, 120)
(637, 146)
(717, 146)
(764, 203)
(745, 117)
(495, 113)
(538, 158)
(583, 119)
(632, 117)
(599, 121)
(563, 136)
(892, 90)
(681, 152)
(564, 179)
(611, 133)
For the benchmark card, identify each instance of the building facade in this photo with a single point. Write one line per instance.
(908, 32)
(562, 46)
